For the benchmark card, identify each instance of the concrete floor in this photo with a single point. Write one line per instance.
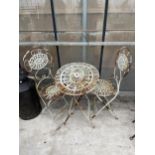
(109, 137)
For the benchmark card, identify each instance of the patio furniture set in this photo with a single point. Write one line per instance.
(78, 80)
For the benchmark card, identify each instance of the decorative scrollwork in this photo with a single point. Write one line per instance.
(76, 78)
(36, 59)
(52, 93)
(124, 60)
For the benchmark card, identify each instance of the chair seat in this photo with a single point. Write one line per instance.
(104, 88)
(52, 92)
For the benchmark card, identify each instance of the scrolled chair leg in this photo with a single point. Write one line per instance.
(98, 112)
(112, 112)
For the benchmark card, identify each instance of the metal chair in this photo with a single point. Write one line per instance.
(105, 89)
(38, 63)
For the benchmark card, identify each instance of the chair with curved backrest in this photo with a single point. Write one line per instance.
(105, 88)
(38, 63)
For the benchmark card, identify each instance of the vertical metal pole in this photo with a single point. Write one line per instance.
(84, 25)
(55, 31)
(103, 34)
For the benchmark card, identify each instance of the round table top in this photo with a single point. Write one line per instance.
(76, 79)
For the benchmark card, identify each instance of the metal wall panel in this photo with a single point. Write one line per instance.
(36, 25)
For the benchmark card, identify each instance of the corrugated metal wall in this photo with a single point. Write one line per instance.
(36, 25)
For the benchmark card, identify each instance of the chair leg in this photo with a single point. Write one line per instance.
(104, 101)
(107, 104)
(46, 105)
(46, 108)
(97, 99)
(111, 111)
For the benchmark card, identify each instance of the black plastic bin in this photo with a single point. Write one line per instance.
(29, 103)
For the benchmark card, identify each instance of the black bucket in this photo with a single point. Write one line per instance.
(29, 102)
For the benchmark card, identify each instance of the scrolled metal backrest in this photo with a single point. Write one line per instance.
(123, 60)
(36, 59)
(122, 65)
(105, 88)
(38, 62)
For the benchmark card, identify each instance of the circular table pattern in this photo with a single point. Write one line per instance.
(76, 79)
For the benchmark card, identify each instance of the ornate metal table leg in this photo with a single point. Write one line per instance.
(89, 106)
(89, 110)
(94, 105)
(63, 108)
(68, 116)
(87, 116)
(81, 109)
(70, 112)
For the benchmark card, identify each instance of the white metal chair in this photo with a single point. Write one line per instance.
(38, 63)
(105, 89)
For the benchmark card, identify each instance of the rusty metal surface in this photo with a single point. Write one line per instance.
(104, 88)
(52, 93)
(76, 78)
(122, 65)
(36, 59)
(124, 60)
